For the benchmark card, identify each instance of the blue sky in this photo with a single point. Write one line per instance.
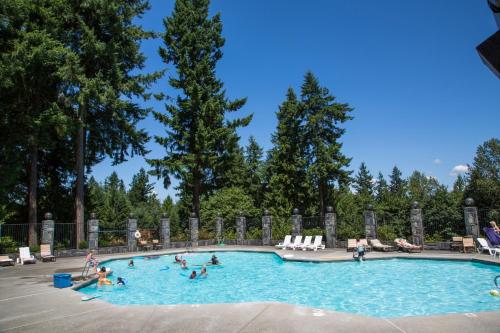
(423, 99)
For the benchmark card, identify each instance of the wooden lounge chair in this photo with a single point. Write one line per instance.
(468, 244)
(456, 243)
(378, 246)
(25, 256)
(364, 242)
(351, 245)
(6, 261)
(144, 246)
(46, 253)
(405, 246)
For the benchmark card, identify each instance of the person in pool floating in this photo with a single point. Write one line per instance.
(120, 281)
(131, 263)
(193, 275)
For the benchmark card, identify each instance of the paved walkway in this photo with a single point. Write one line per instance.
(29, 303)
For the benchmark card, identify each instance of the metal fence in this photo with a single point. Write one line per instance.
(19, 232)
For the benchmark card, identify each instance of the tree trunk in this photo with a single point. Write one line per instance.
(32, 196)
(321, 190)
(80, 180)
(196, 195)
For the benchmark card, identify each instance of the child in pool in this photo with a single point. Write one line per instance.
(131, 263)
(91, 260)
(102, 279)
(120, 281)
(193, 275)
(178, 259)
(184, 264)
(203, 272)
(214, 260)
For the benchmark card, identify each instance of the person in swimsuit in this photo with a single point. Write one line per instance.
(203, 271)
(359, 252)
(214, 260)
(120, 281)
(131, 263)
(184, 264)
(178, 259)
(193, 275)
(102, 277)
(91, 260)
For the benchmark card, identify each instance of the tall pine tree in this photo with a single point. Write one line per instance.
(197, 130)
(323, 116)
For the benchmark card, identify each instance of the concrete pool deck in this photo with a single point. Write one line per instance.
(29, 303)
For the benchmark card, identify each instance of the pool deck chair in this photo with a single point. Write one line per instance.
(378, 246)
(405, 246)
(317, 244)
(25, 256)
(307, 242)
(468, 243)
(351, 245)
(45, 253)
(285, 243)
(484, 246)
(144, 246)
(364, 242)
(156, 244)
(456, 243)
(296, 242)
(6, 261)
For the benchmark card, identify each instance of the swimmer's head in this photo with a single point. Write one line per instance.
(103, 269)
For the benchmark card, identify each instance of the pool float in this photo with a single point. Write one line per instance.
(137, 234)
(88, 298)
(494, 292)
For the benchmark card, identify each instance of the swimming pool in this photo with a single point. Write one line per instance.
(381, 288)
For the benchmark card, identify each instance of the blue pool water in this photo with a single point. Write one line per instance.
(382, 288)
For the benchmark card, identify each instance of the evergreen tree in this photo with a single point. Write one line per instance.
(285, 169)
(381, 187)
(253, 159)
(397, 185)
(484, 176)
(363, 182)
(197, 131)
(105, 42)
(326, 163)
(115, 207)
(460, 184)
(141, 189)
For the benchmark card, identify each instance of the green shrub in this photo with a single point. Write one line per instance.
(83, 244)
(254, 234)
(35, 248)
(387, 233)
(206, 234)
(313, 232)
(229, 234)
(8, 245)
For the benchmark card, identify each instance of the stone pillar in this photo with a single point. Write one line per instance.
(193, 228)
(330, 227)
(219, 225)
(241, 229)
(370, 223)
(165, 230)
(417, 224)
(132, 228)
(93, 232)
(296, 223)
(48, 230)
(471, 218)
(266, 229)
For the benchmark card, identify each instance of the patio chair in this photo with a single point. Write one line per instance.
(364, 242)
(351, 245)
(46, 253)
(307, 242)
(468, 243)
(25, 257)
(483, 245)
(317, 244)
(456, 243)
(296, 242)
(156, 245)
(144, 246)
(285, 243)
(6, 261)
(378, 246)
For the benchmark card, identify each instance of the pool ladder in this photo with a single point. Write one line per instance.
(86, 268)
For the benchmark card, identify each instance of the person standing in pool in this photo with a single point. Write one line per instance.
(203, 272)
(214, 260)
(178, 259)
(193, 275)
(131, 263)
(184, 264)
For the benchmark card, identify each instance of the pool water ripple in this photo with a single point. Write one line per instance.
(381, 288)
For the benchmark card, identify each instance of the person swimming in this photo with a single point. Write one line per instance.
(131, 263)
(214, 260)
(203, 272)
(120, 281)
(102, 277)
(184, 264)
(193, 275)
(178, 259)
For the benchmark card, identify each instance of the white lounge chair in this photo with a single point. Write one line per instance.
(296, 242)
(25, 256)
(286, 242)
(317, 244)
(307, 242)
(483, 245)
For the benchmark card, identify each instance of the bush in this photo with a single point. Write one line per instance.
(83, 244)
(8, 245)
(254, 234)
(205, 234)
(35, 248)
(386, 233)
(313, 232)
